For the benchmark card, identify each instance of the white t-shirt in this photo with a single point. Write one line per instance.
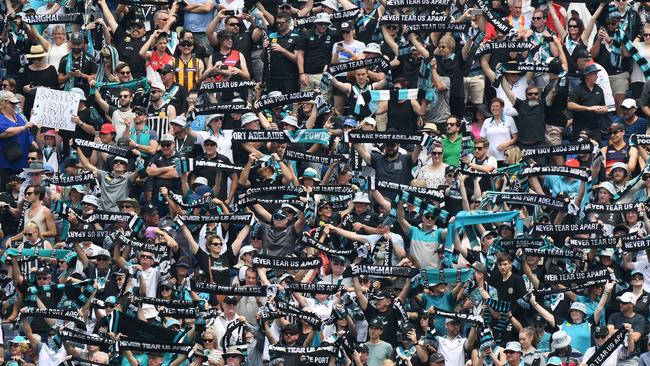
(612, 360)
(374, 238)
(356, 47)
(498, 133)
(224, 141)
(452, 350)
(519, 90)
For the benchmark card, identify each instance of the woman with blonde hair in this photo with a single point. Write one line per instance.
(209, 340)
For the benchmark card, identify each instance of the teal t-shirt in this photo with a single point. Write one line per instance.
(443, 302)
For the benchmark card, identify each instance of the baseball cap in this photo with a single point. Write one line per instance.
(372, 48)
(231, 300)
(627, 297)
(107, 128)
(77, 37)
(166, 68)
(279, 214)
(629, 103)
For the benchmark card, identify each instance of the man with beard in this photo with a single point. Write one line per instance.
(76, 69)
(141, 136)
(392, 165)
(127, 44)
(160, 111)
(531, 123)
(121, 116)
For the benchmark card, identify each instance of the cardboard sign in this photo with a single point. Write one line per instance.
(55, 108)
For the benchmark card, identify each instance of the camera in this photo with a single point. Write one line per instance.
(229, 12)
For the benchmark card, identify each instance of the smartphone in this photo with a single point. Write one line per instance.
(229, 12)
(477, 12)
(548, 39)
(223, 67)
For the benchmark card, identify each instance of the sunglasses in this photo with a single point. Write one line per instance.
(538, 18)
(119, 162)
(346, 32)
(166, 288)
(125, 73)
(393, 27)
(124, 96)
(102, 259)
(600, 336)
(206, 340)
(216, 243)
(479, 148)
(31, 158)
(637, 277)
(29, 235)
(573, 26)
(646, 176)
(234, 24)
(532, 94)
(125, 206)
(110, 306)
(146, 257)
(436, 153)
(166, 144)
(644, 34)
(186, 45)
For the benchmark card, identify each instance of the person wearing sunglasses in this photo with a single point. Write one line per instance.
(128, 38)
(209, 340)
(15, 138)
(601, 334)
(114, 185)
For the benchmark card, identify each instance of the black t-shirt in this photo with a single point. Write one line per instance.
(366, 25)
(510, 290)
(128, 49)
(218, 266)
(555, 113)
(173, 184)
(583, 96)
(243, 43)
(453, 68)
(48, 78)
(531, 122)
(211, 173)
(89, 116)
(368, 218)
(390, 319)
(318, 49)
(9, 222)
(408, 68)
(82, 63)
(282, 67)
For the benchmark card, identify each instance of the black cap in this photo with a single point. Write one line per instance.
(346, 26)
(291, 328)
(137, 22)
(14, 178)
(230, 299)
(383, 293)
(363, 348)
(43, 270)
(148, 209)
(376, 323)
(322, 203)
(601, 330)
(184, 262)
(582, 53)
(139, 109)
(166, 68)
(77, 37)
(166, 284)
(279, 214)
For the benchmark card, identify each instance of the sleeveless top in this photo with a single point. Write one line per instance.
(156, 61)
(569, 47)
(230, 59)
(157, 119)
(187, 73)
(350, 105)
(38, 219)
(56, 53)
(613, 156)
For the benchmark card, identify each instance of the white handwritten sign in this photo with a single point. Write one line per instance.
(55, 108)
